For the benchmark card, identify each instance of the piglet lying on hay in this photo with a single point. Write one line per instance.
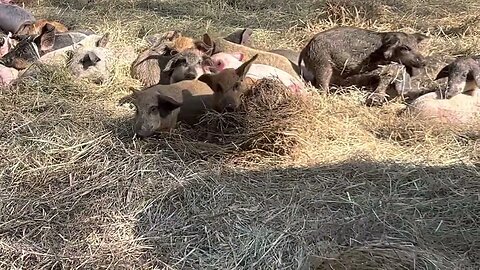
(460, 110)
(257, 71)
(270, 120)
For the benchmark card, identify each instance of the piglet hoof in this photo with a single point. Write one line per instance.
(376, 99)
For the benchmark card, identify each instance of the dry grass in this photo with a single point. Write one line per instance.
(342, 186)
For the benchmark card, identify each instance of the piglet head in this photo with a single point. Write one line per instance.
(228, 86)
(155, 111)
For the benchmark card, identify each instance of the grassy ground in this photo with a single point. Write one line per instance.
(361, 188)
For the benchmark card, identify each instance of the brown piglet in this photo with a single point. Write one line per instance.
(229, 86)
(160, 107)
(341, 52)
(149, 65)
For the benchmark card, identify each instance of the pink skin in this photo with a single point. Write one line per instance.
(7, 75)
(257, 71)
(8, 44)
(460, 109)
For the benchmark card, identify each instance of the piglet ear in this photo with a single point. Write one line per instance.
(243, 69)
(476, 75)
(443, 73)
(27, 28)
(167, 104)
(206, 45)
(211, 81)
(102, 42)
(46, 39)
(171, 35)
(240, 56)
(247, 33)
(126, 99)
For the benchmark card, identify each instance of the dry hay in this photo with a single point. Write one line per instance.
(385, 255)
(344, 186)
(271, 122)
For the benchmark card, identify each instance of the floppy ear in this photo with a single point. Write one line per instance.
(389, 42)
(208, 40)
(420, 37)
(93, 57)
(243, 69)
(443, 73)
(476, 75)
(126, 99)
(102, 42)
(172, 63)
(46, 39)
(241, 36)
(171, 35)
(153, 39)
(240, 56)
(206, 45)
(167, 104)
(247, 33)
(211, 81)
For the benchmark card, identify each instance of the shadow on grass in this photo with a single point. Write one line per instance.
(358, 214)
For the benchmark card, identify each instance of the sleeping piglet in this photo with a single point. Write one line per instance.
(159, 107)
(461, 109)
(222, 61)
(93, 64)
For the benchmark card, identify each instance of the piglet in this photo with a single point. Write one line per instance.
(15, 19)
(7, 43)
(222, 61)
(7, 75)
(461, 109)
(160, 107)
(92, 64)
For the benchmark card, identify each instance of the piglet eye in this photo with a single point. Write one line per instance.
(405, 48)
(236, 86)
(173, 52)
(154, 109)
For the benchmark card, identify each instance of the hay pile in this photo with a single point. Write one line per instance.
(271, 120)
